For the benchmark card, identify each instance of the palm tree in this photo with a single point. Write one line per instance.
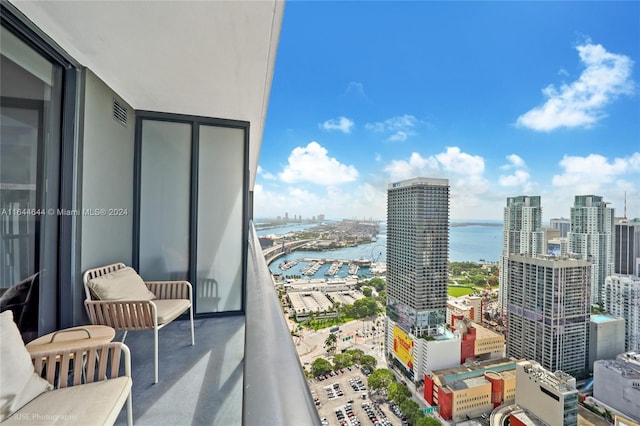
(331, 342)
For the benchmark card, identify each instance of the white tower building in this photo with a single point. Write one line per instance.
(591, 237)
(522, 234)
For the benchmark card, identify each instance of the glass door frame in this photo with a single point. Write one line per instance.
(195, 122)
(60, 251)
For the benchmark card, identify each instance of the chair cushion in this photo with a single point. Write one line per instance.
(170, 309)
(19, 381)
(123, 284)
(92, 403)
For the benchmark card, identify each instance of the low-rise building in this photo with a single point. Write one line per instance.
(467, 306)
(478, 341)
(471, 389)
(552, 397)
(616, 383)
(606, 338)
(415, 355)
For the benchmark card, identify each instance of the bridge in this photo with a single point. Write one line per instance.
(272, 253)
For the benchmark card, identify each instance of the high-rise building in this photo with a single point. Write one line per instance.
(548, 311)
(622, 299)
(562, 224)
(627, 247)
(417, 275)
(522, 234)
(417, 253)
(591, 237)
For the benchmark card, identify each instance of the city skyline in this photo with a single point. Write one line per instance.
(481, 94)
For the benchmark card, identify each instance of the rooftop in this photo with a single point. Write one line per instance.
(474, 369)
(602, 318)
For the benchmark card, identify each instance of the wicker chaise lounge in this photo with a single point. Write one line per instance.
(116, 296)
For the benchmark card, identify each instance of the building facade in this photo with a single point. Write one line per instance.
(551, 397)
(627, 247)
(606, 338)
(562, 224)
(522, 234)
(622, 299)
(471, 389)
(548, 311)
(417, 273)
(591, 237)
(616, 383)
(465, 306)
(417, 253)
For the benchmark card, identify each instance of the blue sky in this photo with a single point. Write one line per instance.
(501, 98)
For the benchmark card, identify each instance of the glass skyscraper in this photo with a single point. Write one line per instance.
(417, 253)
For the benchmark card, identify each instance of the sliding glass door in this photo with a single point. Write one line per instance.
(30, 132)
(192, 221)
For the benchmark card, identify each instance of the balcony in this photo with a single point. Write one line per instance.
(243, 370)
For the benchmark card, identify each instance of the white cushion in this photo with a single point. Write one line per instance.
(170, 309)
(19, 382)
(97, 403)
(123, 284)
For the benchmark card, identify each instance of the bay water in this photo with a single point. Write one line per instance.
(469, 241)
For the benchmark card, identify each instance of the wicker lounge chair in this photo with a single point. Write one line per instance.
(84, 385)
(116, 296)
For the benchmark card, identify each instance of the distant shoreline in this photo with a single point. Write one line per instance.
(452, 224)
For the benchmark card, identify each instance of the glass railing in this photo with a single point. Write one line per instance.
(275, 387)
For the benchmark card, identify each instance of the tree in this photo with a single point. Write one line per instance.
(320, 366)
(427, 421)
(356, 354)
(409, 408)
(367, 291)
(331, 342)
(378, 283)
(380, 379)
(342, 360)
(368, 362)
(398, 392)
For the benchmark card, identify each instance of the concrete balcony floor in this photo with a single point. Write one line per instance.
(198, 385)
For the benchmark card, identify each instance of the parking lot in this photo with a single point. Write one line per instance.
(343, 400)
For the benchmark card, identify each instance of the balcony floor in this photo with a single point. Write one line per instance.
(197, 385)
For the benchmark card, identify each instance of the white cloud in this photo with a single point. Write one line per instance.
(581, 103)
(356, 88)
(453, 160)
(342, 124)
(265, 175)
(592, 173)
(519, 178)
(400, 127)
(312, 164)
(465, 173)
(399, 136)
(513, 161)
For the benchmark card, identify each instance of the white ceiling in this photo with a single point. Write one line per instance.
(209, 58)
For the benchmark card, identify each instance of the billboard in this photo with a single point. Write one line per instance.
(553, 249)
(403, 346)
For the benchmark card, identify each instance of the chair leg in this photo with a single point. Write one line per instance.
(193, 339)
(155, 352)
(129, 410)
(124, 336)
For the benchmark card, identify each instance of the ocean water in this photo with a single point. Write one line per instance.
(479, 241)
